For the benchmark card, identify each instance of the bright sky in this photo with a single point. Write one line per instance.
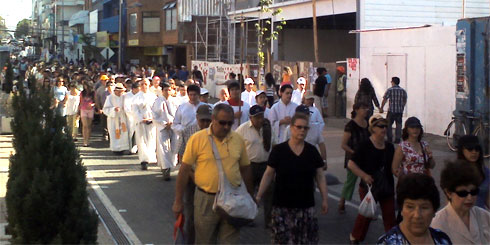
(14, 11)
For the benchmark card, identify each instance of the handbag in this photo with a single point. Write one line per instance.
(382, 186)
(233, 203)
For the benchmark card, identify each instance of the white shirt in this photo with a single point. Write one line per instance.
(245, 110)
(278, 112)
(297, 96)
(316, 117)
(72, 104)
(185, 116)
(254, 142)
(179, 100)
(249, 97)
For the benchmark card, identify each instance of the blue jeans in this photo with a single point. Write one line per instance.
(397, 118)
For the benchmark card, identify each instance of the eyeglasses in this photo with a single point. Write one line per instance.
(465, 193)
(299, 127)
(381, 126)
(224, 123)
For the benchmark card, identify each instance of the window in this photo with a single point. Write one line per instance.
(151, 22)
(170, 16)
(133, 23)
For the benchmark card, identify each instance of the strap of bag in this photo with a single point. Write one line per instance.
(219, 164)
(426, 164)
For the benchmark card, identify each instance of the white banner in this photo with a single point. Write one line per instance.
(352, 84)
(217, 72)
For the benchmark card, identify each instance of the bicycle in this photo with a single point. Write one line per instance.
(457, 128)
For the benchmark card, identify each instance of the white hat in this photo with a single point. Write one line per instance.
(204, 91)
(249, 81)
(301, 80)
(259, 92)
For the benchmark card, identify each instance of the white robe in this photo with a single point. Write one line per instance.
(297, 96)
(278, 112)
(249, 97)
(166, 138)
(145, 133)
(185, 116)
(127, 106)
(115, 120)
(244, 118)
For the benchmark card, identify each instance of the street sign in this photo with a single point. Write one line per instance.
(107, 53)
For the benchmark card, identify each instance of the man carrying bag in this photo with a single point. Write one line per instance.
(211, 226)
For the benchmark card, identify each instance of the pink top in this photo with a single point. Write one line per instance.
(413, 161)
(86, 103)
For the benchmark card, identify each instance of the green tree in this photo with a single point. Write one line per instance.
(22, 28)
(46, 190)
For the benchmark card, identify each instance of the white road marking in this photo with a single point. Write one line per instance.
(127, 231)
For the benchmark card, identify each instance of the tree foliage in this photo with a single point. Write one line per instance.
(22, 28)
(263, 28)
(46, 191)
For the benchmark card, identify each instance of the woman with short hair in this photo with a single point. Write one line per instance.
(295, 165)
(461, 219)
(470, 150)
(418, 198)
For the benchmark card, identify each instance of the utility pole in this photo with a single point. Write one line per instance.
(119, 52)
(315, 33)
(63, 30)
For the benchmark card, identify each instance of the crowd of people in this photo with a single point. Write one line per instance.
(272, 142)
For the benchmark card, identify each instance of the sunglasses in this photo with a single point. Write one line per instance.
(299, 127)
(473, 192)
(224, 123)
(381, 126)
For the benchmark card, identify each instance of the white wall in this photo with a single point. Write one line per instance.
(377, 14)
(425, 61)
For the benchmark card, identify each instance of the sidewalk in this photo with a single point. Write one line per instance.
(6, 149)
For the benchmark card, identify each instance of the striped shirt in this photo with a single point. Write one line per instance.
(397, 97)
(186, 134)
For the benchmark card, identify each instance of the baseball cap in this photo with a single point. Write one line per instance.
(309, 95)
(104, 77)
(413, 122)
(248, 80)
(259, 92)
(303, 109)
(301, 80)
(255, 110)
(204, 91)
(204, 112)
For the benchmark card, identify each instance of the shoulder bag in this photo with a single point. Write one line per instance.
(233, 203)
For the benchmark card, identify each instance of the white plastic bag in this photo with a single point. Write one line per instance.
(367, 208)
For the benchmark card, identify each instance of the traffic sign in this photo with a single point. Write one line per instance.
(107, 53)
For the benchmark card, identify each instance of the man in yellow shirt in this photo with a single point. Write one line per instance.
(210, 227)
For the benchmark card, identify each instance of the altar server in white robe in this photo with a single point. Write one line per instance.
(145, 128)
(281, 112)
(116, 120)
(128, 99)
(186, 113)
(166, 137)
(240, 107)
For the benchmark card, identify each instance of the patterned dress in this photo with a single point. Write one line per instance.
(413, 161)
(395, 236)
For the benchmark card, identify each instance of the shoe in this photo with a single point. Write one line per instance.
(86, 145)
(144, 165)
(134, 150)
(166, 174)
(353, 240)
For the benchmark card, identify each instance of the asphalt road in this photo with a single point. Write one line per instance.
(143, 201)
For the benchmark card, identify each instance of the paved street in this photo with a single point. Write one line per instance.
(140, 201)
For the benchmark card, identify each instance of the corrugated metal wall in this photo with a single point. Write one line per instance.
(188, 8)
(402, 13)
